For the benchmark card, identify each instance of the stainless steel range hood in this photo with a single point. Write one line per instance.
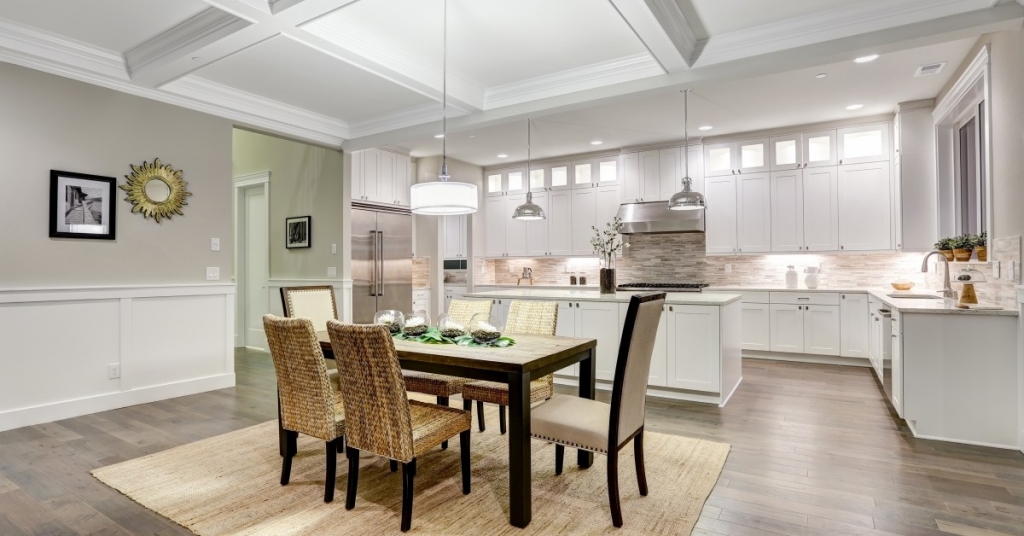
(655, 218)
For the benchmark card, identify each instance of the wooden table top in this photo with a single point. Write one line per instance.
(529, 353)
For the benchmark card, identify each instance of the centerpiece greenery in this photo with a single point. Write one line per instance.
(434, 336)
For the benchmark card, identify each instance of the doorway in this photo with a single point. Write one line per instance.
(252, 258)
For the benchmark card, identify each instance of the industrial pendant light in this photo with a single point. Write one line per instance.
(528, 211)
(686, 199)
(443, 197)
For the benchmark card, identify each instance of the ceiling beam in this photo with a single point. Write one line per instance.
(663, 29)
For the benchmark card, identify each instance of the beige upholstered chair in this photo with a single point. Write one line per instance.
(524, 318)
(316, 303)
(439, 385)
(382, 420)
(308, 403)
(606, 428)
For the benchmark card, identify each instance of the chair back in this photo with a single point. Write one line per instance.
(307, 398)
(315, 303)
(377, 416)
(462, 311)
(532, 318)
(629, 392)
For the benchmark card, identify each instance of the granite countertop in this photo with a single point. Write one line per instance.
(904, 305)
(675, 298)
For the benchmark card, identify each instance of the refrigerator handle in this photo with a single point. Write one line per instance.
(380, 264)
(376, 260)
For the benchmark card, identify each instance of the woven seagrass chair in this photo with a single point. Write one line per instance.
(316, 303)
(308, 403)
(524, 318)
(381, 418)
(439, 385)
(607, 428)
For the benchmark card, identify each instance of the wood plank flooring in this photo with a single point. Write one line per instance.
(815, 451)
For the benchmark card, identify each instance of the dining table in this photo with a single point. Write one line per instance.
(531, 357)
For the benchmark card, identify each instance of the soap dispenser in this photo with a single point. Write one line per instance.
(791, 277)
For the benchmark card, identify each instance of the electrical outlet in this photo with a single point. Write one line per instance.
(114, 371)
(1012, 271)
(334, 249)
(332, 271)
(728, 268)
(214, 244)
(213, 273)
(995, 269)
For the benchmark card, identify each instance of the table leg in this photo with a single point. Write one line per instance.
(588, 389)
(519, 481)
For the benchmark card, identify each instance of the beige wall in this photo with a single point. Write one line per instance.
(304, 181)
(48, 122)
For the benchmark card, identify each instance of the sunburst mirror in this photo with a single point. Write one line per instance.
(156, 190)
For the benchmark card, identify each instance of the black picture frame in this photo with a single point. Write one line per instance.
(298, 232)
(82, 206)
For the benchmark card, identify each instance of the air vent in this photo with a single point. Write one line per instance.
(931, 68)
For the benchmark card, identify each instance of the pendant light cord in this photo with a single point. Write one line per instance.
(686, 138)
(529, 152)
(444, 97)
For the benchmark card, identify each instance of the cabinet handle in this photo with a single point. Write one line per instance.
(840, 161)
(670, 309)
(842, 247)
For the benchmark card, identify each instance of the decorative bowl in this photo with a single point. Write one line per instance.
(449, 328)
(482, 330)
(902, 285)
(416, 324)
(391, 318)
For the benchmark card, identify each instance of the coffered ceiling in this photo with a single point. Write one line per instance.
(359, 73)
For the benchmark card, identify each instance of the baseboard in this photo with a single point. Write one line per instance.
(67, 409)
(910, 424)
(808, 358)
(655, 392)
(728, 396)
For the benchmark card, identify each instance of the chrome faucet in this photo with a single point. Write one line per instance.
(947, 289)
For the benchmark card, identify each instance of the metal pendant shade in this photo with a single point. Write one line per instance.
(443, 197)
(528, 211)
(686, 199)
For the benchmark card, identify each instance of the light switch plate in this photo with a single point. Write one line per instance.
(332, 271)
(334, 249)
(213, 273)
(214, 244)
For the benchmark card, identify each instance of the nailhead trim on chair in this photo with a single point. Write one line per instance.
(573, 445)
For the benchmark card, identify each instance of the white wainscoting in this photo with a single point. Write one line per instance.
(342, 293)
(57, 345)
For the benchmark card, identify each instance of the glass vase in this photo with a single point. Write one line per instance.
(607, 274)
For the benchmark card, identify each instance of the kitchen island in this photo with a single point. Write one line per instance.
(697, 354)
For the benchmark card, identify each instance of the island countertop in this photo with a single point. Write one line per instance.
(905, 305)
(674, 298)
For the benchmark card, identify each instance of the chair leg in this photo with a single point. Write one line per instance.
(638, 454)
(480, 415)
(353, 477)
(332, 466)
(613, 488)
(394, 465)
(341, 445)
(501, 420)
(464, 451)
(467, 405)
(408, 474)
(289, 452)
(559, 457)
(443, 401)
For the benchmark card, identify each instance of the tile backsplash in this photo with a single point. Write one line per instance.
(421, 272)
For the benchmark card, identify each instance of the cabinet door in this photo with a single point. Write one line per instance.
(694, 159)
(495, 219)
(453, 240)
(720, 216)
(819, 148)
(558, 177)
(854, 328)
(865, 217)
(650, 176)
(583, 173)
(719, 159)
(566, 327)
(515, 182)
(897, 370)
(868, 143)
(606, 171)
(821, 209)
(756, 323)
(515, 230)
(495, 184)
(821, 329)
(607, 206)
(371, 174)
(386, 178)
(584, 216)
(537, 231)
(787, 210)
(694, 348)
(786, 153)
(631, 177)
(754, 213)
(671, 175)
(787, 328)
(659, 364)
(539, 179)
(560, 218)
(600, 321)
(403, 178)
(357, 175)
(875, 343)
(752, 156)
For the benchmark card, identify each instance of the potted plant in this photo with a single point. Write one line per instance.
(945, 246)
(607, 244)
(981, 246)
(963, 247)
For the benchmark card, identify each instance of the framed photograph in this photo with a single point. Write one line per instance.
(82, 206)
(298, 231)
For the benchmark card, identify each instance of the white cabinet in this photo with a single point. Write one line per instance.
(381, 177)
(821, 208)
(550, 177)
(494, 221)
(756, 327)
(505, 182)
(754, 213)
(454, 237)
(861, 144)
(591, 207)
(864, 201)
(818, 148)
(897, 362)
(595, 172)
(916, 218)
(566, 327)
(787, 201)
(787, 328)
(719, 159)
(657, 174)
(600, 321)
(632, 189)
(499, 312)
(658, 376)
(749, 156)
(786, 152)
(537, 240)
(720, 216)
(855, 328)
(693, 347)
(560, 218)
(515, 230)
(821, 329)
(386, 178)
(421, 300)
(403, 179)
(670, 175)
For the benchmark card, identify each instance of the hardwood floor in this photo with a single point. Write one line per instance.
(814, 451)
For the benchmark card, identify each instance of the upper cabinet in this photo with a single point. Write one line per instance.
(595, 172)
(863, 144)
(505, 182)
(786, 152)
(454, 237)
(550, 177)
(657, 174)
(865, 200)
(380, 176)
(818, 148)
(734, 158)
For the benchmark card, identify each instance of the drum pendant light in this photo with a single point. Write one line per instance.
(528, 211)
(687, 199)
(443, 197)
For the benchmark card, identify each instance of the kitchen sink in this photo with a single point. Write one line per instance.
(907, 296)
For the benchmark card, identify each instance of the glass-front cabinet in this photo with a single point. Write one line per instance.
(595, 172)
(819, 148)
(786, 152)
(506, 182)
(749, 156)
(863, 144)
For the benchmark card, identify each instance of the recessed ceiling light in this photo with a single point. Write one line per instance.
(472, 135)
(855, 107)
(438, 136)
(865, 59)
(502, 155)
(705, 127)
(820, 75)
(596, 142)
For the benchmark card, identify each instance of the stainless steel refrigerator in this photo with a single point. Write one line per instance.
(381, 261)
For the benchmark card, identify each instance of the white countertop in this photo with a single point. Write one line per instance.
(675, 298)
(527, 286)
(904, 305)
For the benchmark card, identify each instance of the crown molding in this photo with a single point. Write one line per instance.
(54, 48)
(414, 115)
(677, 28)
(604, 73)
(252, 179)
(207, 27)
(976, 70)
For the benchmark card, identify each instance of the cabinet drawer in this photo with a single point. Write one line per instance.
(806, 298)
(756, 297)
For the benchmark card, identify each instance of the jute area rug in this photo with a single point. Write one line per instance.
(230, 484)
